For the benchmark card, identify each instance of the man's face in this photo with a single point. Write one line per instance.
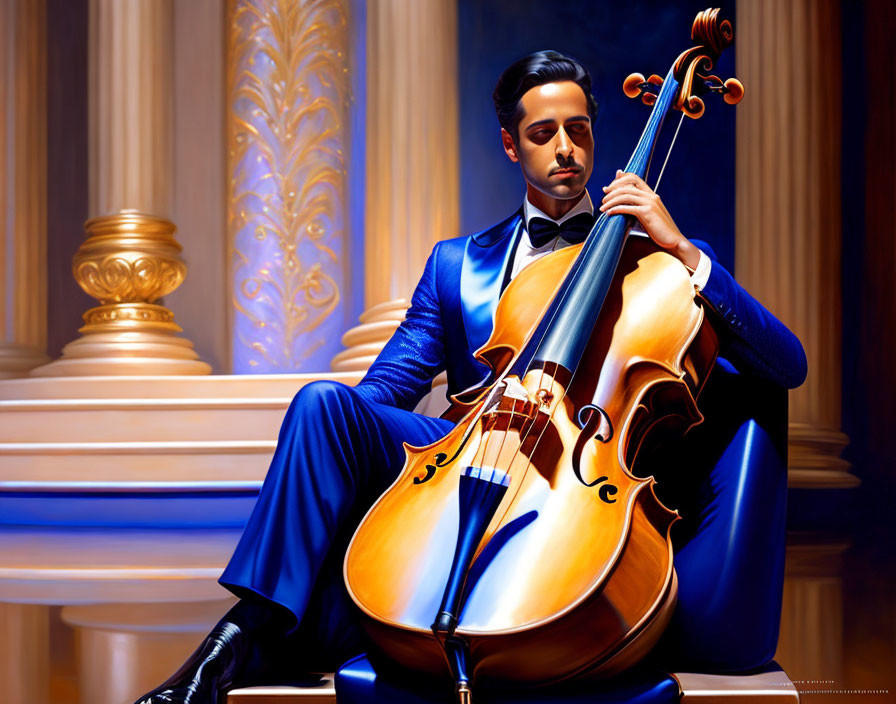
(555, 146)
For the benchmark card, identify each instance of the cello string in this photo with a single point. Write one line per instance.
(581, 256)
(511, 495)
(488, 423)
(577, 264)
(575, 371)
(514, 489)
(505, 434)
(656, 186)
(590, 243)
(497, 415)
(574, 271)
(548, 420)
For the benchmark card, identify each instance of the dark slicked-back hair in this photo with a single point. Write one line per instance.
(535, 70)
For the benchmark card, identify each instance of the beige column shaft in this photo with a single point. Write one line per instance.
(130, 258)
(412, 192)
(23, 186)
(24, 653)
(810, 644)
(131, 84)
(788, 207)
(412, 189)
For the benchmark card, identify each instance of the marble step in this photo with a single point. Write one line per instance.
(772, 687)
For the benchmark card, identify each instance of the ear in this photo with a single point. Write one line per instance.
(509, 146)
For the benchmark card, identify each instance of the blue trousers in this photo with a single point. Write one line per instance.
(337, 452)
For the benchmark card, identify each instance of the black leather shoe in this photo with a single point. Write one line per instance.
(208, 673)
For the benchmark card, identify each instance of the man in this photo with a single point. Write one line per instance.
(339, 447)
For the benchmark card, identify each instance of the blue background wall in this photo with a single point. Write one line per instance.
(612, 40)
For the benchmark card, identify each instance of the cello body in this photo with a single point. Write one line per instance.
(569, 579)
(523, 546)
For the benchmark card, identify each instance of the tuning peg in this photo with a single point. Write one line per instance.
(733, 91)
(648, 88)
(631, 86)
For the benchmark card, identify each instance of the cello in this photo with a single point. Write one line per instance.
(521, 547)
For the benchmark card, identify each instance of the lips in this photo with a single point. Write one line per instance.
(566, 171)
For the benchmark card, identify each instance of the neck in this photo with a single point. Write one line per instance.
(555, 208)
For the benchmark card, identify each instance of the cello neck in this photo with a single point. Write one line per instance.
(566, 326)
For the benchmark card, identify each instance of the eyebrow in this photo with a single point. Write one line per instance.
(575, 118)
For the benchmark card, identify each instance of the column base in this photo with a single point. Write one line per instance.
(125, 650)
(24, 652)
(814, 460)
(810, 643)
(365, 341)
(127, 339)
(17, 360)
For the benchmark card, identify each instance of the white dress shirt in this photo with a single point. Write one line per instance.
(526, 253)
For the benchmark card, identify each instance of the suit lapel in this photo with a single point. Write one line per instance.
(486, 258)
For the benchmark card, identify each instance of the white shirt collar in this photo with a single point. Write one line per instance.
(583, 206)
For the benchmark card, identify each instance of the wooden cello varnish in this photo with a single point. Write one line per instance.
(570, 573)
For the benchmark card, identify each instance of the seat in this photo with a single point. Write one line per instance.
(360, 681)
(728, 479)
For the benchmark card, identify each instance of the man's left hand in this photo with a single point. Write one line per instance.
(629, 194)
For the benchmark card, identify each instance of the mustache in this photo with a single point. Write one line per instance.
(572, 166)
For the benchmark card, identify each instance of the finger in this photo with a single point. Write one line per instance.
(638, 182)
(629, 193)
(619, 174)
(623, 178)
(625, 199)
(636, 210)
(622, 188)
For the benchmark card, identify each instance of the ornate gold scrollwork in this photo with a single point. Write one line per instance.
(129, 257)
(128, 312)
(128, 262)
(288, 126)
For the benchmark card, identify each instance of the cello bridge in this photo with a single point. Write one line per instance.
(518, 409)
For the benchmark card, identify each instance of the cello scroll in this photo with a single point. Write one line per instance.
(692, 68)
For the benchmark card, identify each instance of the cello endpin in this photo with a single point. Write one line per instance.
(464, 693)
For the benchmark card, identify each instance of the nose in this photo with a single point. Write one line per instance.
(563, 148)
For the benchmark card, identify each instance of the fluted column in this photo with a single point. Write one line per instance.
(412, 160)
(131, 112)
(23, 186)
(788, 207)
(130, 259)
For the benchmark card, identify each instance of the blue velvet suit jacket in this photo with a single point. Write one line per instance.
(452, 311)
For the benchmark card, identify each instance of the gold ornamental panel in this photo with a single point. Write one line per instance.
(288, 94)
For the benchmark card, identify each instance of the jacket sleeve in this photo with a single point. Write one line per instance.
(752, 339)
(402, 373)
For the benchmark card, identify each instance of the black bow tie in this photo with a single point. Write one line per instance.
(575, 230)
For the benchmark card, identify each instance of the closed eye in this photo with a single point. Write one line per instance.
(541, 135)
